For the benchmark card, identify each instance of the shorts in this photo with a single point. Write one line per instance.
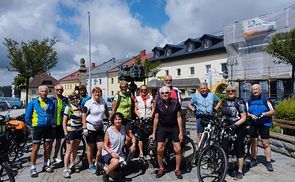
(75, 135)
(95, 136)
(107, 158)
(200, 126)
(58, 132)
(42, 133)
(167, 133)
(261, 130)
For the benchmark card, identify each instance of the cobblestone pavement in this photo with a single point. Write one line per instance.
(284, 171)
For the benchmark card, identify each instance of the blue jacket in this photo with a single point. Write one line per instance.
(40, 116)
(258, 106)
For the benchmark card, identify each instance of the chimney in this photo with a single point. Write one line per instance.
(92, 65)
(142, 53)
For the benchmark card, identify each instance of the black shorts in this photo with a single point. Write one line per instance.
(58, 132)
(256, 130)
(167, 133)
(95, 136)
(75, 135)
(42, 133)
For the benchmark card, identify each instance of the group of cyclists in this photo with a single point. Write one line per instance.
(78, 115)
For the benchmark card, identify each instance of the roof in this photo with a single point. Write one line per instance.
(219, 45)
(72, 76)
(132, 61)
(107, 66)
(186, 82)
(43, 79)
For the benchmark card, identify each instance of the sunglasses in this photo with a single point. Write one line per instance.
(168, 80)
(74, 98)
(165, 93)
(143, 90)
(59, 89)
(231, 91)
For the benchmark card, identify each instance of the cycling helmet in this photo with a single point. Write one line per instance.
(151, 144)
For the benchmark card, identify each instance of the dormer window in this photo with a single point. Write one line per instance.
(157, 54)
(206, 43)
(190, 47)
(168, 52)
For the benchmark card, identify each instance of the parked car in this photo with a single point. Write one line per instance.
(13, 102)
(184, 102)
(109, 101)
(4, 105)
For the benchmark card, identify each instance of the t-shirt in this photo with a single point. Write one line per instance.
(203, 104)
(168, 115)
(232, 109)
(74, 117)
(95, 113)
(116, 142)
(125, 104)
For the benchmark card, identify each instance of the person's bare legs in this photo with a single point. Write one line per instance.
(68, 153)
(56, 147)
(240, 163)
(99, 146)
(90, 148)
(160, 150)
(254, 142)
(35, 150)
(47, 151)
(267, 150)
(178, 156)
(140, 147)
(114, 163)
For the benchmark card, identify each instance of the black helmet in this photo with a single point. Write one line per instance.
(151, 144)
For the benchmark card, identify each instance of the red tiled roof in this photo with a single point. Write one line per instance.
(73, 76)
(132, 61)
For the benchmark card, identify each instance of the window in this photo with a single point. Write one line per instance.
(168, 52)
(71, 87)
(95, 81)
(178, 71)
(223, 67)
(157, 54)
(206, 43)
(112, 92)
(112, 80)
(100, 81)
(192, 70)
(208, 68)
(34, 91)
(167, 72)
(190, 47)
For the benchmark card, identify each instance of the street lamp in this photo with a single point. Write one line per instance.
(232, 62)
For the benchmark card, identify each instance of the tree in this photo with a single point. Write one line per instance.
(282, 46)
(19, 82)
(31, 58)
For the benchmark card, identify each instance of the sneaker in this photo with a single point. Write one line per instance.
(34, 173)
(253, 163)
(92, 169)
(47, 169)
(178, 174)
(238, 176)
(57, 160)
(160, 173)
(67, 173)
(269, 166)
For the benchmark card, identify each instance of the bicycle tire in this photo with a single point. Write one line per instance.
(214, 159)
(6, 172)
(189, 152)
(80, 152)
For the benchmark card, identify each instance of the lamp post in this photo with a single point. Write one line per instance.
(90, 64)
(232, 62)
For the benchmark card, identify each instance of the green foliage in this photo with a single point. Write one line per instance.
(220, 95)
(276, 129)
(151, 68)
(282, 46)
(19, 81)
(30, 58)
(286, 109)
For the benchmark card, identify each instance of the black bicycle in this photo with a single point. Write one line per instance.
(187, 145)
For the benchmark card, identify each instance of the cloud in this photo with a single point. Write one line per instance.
(189, 18)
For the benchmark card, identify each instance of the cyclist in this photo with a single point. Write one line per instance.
(39, 114)
(93, 113)
(84, 97)
(260, 112)
(202, 103)
(168, 124)
(72, 127)
(144, 108)
(60, 102)
(235, 113)
(114, 140)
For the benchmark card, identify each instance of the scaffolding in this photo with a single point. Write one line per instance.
(245, 42)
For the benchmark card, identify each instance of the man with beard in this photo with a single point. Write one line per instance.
(203, 103)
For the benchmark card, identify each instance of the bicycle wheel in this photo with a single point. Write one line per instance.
(6, 173)
(80, 152)
(188, 152)
(212, 164)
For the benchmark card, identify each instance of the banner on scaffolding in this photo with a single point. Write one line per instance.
(256, 27)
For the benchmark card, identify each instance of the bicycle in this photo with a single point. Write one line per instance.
(187, 145)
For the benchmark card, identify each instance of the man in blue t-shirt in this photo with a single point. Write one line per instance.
(203, 103)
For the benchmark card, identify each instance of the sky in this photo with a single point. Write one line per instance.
(119, 28)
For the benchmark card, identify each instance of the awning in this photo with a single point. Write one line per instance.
(187, 82)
